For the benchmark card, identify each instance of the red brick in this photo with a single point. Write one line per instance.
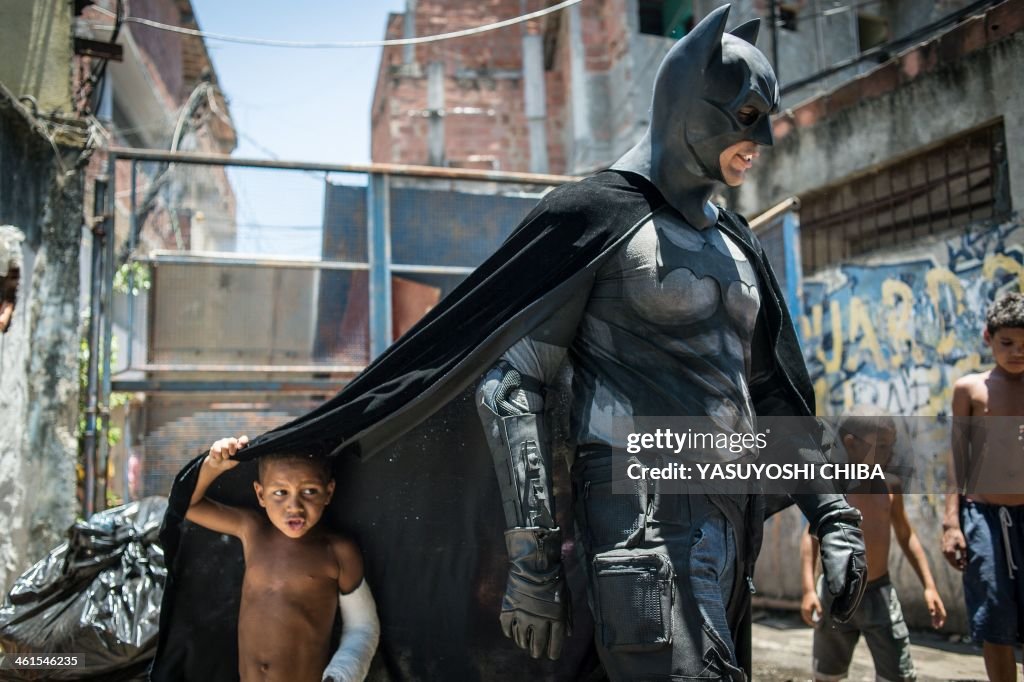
(844, 97)
(920, 61)
(465, 134)
(965, 38)
(882, 80)
(1005, 20)
(810, 112)
(911, 64)
(782, 126)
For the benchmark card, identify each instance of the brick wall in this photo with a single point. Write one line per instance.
(482, 74)
(485, 73)
(162, 49)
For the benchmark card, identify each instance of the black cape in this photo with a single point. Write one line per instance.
(426, 509)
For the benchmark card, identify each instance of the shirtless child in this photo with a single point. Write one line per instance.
(983, 527)
(297, 573)
(868, 437)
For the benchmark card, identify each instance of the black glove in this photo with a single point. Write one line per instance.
(535, 608)
(843, 560)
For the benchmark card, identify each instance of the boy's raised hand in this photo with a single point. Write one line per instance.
(210, 514)
(222, 453)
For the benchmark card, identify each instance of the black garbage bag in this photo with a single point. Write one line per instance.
(96, 596)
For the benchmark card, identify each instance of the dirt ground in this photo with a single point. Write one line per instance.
(782, 653)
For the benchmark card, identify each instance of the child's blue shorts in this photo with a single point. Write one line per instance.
(994, 577)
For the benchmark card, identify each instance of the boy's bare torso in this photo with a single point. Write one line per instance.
(997, 451)
(289, 601)
(877, 511)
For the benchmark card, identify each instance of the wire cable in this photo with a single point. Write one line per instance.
(266, 42)
(886, 49)
(837, 8)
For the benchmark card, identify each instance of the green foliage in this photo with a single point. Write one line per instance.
(140, 278)
(117, 398)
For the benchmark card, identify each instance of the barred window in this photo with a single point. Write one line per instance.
(943, 187)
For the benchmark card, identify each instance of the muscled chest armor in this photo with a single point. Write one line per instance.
(667, 331)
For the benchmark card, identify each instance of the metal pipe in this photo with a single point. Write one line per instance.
(162, 256)
(109, 269)
(93, 335)
(433, 269)
(766, 218)
(214, 258)
(249, 368)
(218, 386)
(126, 469)
(366, 168)
(132, 218)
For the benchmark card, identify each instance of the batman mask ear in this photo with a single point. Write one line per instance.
(706, 37)
(747, 31)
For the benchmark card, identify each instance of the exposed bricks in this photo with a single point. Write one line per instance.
(962, 40)
(486, 72)
(844, 96)
(884, 79)
(1004, 20)
(782, 126)
(810, 113)
(913, 63)
(482, 72)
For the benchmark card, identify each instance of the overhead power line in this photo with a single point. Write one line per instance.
(269, 42)
(886, 50)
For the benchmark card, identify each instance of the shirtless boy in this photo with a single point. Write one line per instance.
(983, 527)
(295, 571)
(868, 437)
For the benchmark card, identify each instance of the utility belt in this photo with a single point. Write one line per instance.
(599, 456)
(620, 520)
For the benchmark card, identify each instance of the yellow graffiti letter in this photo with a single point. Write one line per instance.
(1000, 261)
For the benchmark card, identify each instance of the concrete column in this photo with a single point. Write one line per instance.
(435, 105)
(534, 96)
(409, 51)
(578, 100)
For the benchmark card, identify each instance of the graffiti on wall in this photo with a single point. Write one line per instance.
(898, 330)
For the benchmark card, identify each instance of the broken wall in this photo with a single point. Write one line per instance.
(39, 353)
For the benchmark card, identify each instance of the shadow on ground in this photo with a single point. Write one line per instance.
(782, 653)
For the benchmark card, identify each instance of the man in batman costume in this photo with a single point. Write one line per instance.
(663, 304)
